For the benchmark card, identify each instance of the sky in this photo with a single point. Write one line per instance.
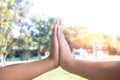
(99, 15)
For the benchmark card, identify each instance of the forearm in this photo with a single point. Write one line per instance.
(26, 71)
(66, 62)
(65, 55)
(94, 70)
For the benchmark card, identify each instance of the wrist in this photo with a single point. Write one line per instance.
(54, 62)
(65, 61)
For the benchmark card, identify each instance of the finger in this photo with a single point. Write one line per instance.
(54, 44)
(61, 24)
(56, 27)
(61, 37)
(58, 21)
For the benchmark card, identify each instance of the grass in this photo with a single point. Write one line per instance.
(59, 74)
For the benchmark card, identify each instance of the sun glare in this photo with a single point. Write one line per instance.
(98, 15)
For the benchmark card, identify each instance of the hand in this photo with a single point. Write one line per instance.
(70, 43)
(54, 53)
(64, 49)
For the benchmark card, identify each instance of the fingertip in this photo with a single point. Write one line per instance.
(57, 22)
(59, 25)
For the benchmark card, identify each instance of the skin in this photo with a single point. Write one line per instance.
(93, 70)
(28, 71)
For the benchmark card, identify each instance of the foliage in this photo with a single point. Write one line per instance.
(81, 37)
(116, 43)
(7, 19)
(42, 32)
(13, 18)
(32, 32)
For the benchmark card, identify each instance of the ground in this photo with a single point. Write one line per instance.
(59, 74)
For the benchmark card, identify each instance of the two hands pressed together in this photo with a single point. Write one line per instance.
(60, 55)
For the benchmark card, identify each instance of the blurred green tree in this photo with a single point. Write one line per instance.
(8, 17)
(11, 13)
(42, 32)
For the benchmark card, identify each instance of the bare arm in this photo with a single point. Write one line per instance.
(93, 70)
(28, 71)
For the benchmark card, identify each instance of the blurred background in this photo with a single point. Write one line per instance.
(91, 28)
